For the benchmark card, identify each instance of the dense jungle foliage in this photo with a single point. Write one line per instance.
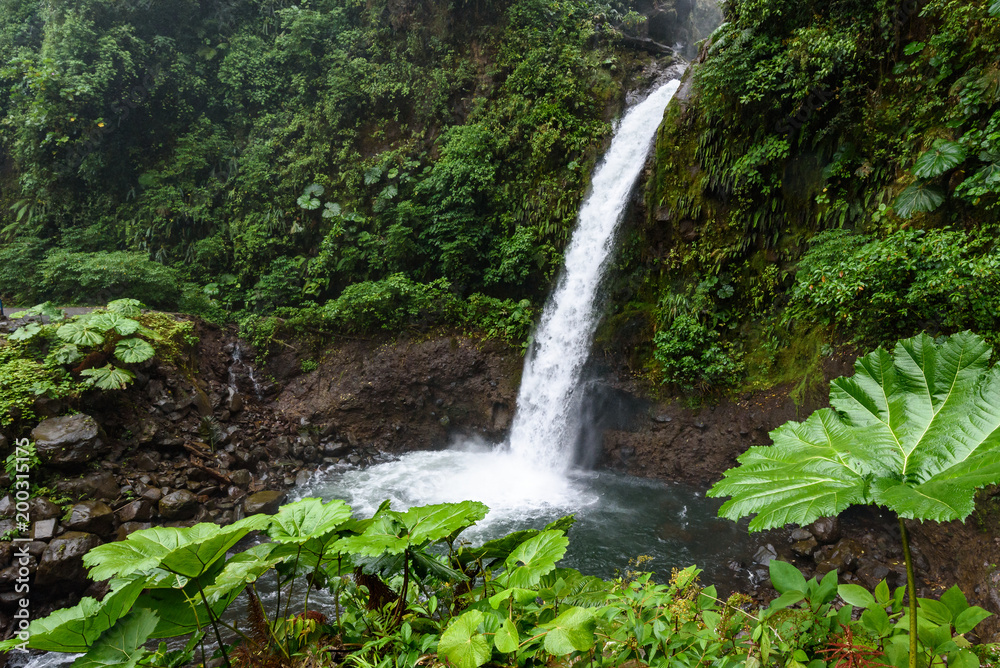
(833, 178)
(235, 156)
(402, 589)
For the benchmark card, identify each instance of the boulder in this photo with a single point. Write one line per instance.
(139, 510)
(44, 529)
(101, 486)
(179, 505)
(240, 477)
(91, 517)
(62, 562)
(765, 555)
(806, 547)
(131, 527)
(70, 440)
(267, 503)
(826, 529)
(41, 508)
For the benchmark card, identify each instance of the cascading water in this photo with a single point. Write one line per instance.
(547, 420)
(529, 481)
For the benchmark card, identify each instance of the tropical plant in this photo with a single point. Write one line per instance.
(913, 431)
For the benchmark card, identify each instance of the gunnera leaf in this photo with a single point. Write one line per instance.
(122, 644)
(80, 334)
(128, 308)
(462, 643)
(106, 322)
(916, 431)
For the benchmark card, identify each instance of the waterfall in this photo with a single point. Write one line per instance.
(547, 422)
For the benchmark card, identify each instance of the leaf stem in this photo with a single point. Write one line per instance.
(911, 586)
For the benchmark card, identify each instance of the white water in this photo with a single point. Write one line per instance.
(547, 421)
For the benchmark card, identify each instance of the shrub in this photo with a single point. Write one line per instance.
(879, 289)
(393, 304)
(88, 278)
(690, 355)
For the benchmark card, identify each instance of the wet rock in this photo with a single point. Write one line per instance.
(70, 440)
(36, 548)
(236, 402)
(871, 572)
(139, 510)
(310, 453)
(241, 477)
(202, 403)
(18, 570)
(146, 461)
(663, 419)
(41, 508)
(765, 555)
(101, 486)
(843, 556)
(91, 517)
(153, 495)
(129, 528)
(62, 562)
(8, 506)
(267, 503)
(826, 529)
(806, 547)
(302, 478)
(179, 505)
(800, 534)
(336, 449)
(6, 551)
(44, 529)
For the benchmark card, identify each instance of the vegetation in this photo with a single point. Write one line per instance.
(405, 589)
(913, 432)
(56, 357)
(835, 165)
(228, 158)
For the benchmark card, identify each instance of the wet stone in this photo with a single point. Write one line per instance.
(139, 510)
(70, 440)
(806, 547)
(44, 529)
(101, 486)
(62, 562)
(131, 527)
(179, 505)
(800, 534)
(267, 503)
(91, 517)
(765, 555)
(241, 477)
(826, 529)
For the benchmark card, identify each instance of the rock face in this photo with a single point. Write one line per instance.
(70, 440)
(62, 562)
(267, 503)
(179, 505)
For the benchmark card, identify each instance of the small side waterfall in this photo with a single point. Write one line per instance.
(547, 420)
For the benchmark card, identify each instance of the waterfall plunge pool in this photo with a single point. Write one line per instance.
(618, 517)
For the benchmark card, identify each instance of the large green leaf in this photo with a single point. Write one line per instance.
(129, 308)
(995, 8)
(80, 333)
(121, 645)
(75, 629)
(572, 630)
(133, 351)
(917, 431)
(392, 532)
(918, 198)
(186, 552)
(463, 644)
(108, 377)
(242, 570)
(27, 332)
(307, 519)
(181, 611)
(534, 558)
(432, 523)
(941, 157)
(106, 322)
